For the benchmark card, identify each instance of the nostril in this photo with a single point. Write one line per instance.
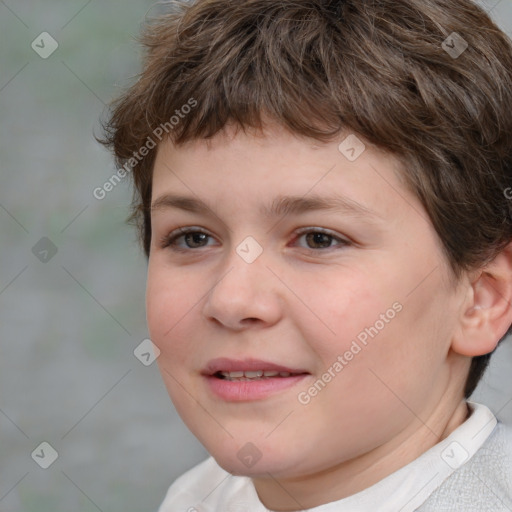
(250, 320)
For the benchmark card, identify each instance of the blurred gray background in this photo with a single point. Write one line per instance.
(72, 278)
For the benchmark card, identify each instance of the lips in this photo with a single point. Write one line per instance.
(248, 368)
(250, 379)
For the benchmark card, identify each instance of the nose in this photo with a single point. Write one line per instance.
(244, 295)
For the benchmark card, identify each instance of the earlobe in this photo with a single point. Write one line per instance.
(487, 313)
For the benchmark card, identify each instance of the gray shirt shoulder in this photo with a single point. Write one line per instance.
(483, 484)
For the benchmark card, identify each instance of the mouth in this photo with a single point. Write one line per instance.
(225, 368)
(249, 379)
(241, 376)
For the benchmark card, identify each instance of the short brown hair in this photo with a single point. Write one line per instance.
(379, 69)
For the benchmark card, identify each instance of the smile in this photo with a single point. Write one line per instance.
(249, 379)
(250, 375)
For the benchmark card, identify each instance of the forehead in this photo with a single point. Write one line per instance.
(244, 179)
(287, 173)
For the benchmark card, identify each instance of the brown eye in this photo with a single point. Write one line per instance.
(193, 239)
(319, 239)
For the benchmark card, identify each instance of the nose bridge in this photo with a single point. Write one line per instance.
(244, 269)
(243, 288)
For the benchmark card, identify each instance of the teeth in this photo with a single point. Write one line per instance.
(249, 375)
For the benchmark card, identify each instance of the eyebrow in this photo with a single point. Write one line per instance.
(280, 206)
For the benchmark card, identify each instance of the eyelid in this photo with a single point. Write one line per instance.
(326, 231)
(344, 240)
(165, 241)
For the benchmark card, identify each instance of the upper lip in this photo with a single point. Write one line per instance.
(223, 364)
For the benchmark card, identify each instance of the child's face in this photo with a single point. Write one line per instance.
(303, 303)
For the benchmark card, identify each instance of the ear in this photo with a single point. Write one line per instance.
(487, 311)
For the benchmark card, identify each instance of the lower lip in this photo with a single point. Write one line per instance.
(240, 391)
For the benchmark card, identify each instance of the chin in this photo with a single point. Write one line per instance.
(251, 459)
(260, 469)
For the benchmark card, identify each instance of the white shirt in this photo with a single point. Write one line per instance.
(209, 488)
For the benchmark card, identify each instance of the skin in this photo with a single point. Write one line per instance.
(301, 304)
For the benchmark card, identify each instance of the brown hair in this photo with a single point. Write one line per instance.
(378, 69)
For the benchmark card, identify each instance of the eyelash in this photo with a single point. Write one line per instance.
(169, 241)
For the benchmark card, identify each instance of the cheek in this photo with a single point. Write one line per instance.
(341, 306)
(374, 323)
(402, 359)
(170, 299)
